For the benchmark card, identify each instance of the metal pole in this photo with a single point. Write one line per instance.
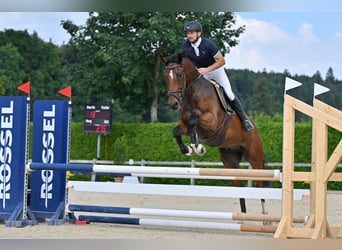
(193, 165)
(98, 156)
(98, 153)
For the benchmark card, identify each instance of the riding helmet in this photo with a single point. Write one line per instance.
(193, 26)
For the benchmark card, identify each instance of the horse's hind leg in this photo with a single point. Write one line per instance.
(231, 159)
(264, 210)
(243, 205)
(255, 157)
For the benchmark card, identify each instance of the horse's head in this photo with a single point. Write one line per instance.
(175, 80)
(179, 73)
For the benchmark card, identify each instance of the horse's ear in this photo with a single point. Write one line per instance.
(179, 57)
(163, 59)
(186, 52)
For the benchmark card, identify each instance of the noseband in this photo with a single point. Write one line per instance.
(179, 93)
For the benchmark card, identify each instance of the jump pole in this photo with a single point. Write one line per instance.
(172, 172)
(178, 223)
(177, 213)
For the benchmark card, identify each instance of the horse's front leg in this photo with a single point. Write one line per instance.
(195, 146)
(177, 133)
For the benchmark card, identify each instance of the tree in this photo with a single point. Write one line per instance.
(11, 73)
(262, 99)
(329, 77)
(119, 53)
(32, 60)
(317, 77)
(333, 96)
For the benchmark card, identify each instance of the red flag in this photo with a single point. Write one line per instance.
(25, 87)
(66, 92)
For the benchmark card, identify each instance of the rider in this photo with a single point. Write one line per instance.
(210, 62)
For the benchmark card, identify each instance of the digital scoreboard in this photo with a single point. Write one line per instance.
(98, 118)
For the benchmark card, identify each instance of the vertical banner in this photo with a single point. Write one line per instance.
(49, 145)
(13, 156)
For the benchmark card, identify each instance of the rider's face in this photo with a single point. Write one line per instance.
(192, 36)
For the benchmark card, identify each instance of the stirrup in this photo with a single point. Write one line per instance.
(248, 126)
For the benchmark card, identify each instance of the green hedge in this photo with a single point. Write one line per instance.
(156, 143)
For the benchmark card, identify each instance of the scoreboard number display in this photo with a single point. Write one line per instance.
(98, 118)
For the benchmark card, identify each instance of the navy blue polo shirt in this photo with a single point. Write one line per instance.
(207, 51)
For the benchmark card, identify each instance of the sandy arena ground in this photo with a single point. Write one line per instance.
(112, 231)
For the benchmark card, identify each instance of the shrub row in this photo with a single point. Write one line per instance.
(156, 143)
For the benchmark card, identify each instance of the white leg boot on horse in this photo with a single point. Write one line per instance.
(195, 146)
(199, 149)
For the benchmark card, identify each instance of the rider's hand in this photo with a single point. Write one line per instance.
(203, 70)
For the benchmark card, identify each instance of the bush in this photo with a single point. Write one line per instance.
(120, 149)
(156, 143)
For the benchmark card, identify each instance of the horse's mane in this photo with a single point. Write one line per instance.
(179, 55)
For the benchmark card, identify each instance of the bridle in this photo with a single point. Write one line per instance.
(179, 93)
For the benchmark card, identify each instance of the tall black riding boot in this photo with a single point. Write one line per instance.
(246, 123)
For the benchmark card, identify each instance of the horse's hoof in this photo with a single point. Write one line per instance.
(265, 211)
(201, 150)
(190, 151)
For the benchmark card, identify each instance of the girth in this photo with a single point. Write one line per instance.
(218, 137)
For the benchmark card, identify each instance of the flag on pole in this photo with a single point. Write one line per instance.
(66, 92)
(319, 89)
(25, 87)
(291, 84)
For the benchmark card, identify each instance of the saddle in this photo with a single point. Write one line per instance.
(222, 97)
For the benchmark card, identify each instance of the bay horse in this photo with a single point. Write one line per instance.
(202, 117)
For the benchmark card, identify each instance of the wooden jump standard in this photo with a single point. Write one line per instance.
(322, 171)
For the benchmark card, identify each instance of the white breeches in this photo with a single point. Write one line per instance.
(220, 76)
